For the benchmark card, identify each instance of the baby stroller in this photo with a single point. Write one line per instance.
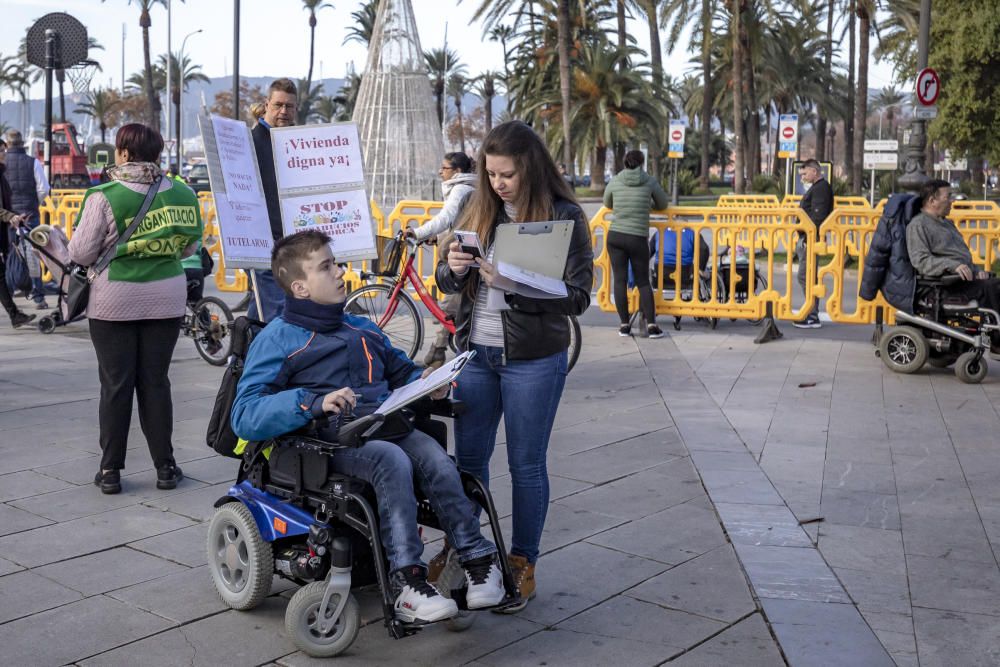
(52, 243)
(322, 530)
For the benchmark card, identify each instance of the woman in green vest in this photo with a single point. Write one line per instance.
(137, 303)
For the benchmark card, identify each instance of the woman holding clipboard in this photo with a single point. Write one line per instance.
(519, 369)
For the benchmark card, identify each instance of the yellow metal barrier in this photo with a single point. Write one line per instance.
(838, 201)
(743, 201)
(847, 234)
(770, 235)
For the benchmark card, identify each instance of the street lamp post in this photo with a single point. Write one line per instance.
(914, 175)
(180, 94)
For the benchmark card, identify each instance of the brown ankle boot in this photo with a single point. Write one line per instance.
(523, 574)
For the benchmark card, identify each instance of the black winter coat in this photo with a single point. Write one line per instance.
(532, 328)
(887, 264)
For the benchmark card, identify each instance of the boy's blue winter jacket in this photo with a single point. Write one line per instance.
(289, 369)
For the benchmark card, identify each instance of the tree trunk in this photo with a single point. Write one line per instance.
(563, 36)
(822, 111)
(312, 49)
(706, 99)
(737, 84)
(151, 96)
(752, 156)
(461, 127)
(849, 122)
(861, 103)
(597, 168)
(622, 42)
(656, 58)
(488, 108)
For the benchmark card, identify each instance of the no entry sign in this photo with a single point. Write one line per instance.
(788, 135)
(676, 135)
(928, 87)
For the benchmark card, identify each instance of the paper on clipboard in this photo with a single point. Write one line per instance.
(417, 389)
(530, 259)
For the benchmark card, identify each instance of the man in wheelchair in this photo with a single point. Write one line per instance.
(317, 361)
(937, 250)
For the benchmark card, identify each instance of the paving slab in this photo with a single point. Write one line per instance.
(107, 570)
(812, 633)
(186, 546)
(28, 483)
(748, 643)
(564, 647)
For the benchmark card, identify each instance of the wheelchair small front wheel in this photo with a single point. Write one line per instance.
(903, 349)
(302, 622)
(239, 559)
(970, 367)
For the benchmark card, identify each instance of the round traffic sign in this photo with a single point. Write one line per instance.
(928, 87)
(675, 135)
(788, 132)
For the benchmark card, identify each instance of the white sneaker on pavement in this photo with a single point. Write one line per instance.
(485, 582)
(419, 601)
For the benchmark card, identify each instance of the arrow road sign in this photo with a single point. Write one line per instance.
(928, 87)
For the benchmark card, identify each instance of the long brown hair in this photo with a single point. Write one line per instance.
(540, 185)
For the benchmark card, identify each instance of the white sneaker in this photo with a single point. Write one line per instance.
(485, 583)
(419, 601)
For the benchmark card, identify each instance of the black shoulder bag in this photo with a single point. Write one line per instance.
(77, 279)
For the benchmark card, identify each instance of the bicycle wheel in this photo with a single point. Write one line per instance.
(575, 341)
(404, 327)
(211, 326)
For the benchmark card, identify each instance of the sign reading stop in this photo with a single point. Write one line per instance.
(928, 87)
(676, 134)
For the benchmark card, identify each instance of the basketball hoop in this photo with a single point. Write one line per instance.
(81, 75)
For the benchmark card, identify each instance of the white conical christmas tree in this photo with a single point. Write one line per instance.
(395, 113)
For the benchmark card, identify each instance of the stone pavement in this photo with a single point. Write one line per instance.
(681, 471)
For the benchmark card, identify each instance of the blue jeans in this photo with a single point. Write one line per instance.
(526, 394)
(272, 298)
(391, 468)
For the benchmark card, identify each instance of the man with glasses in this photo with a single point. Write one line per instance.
(817, 202)
(936, 248)
(279, 111)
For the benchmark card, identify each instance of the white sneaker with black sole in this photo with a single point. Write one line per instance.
(484, 581)
(419, 601)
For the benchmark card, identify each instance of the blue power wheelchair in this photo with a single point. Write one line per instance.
(321, 530)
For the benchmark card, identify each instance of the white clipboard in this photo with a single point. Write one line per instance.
(538, 247)
(417, 389)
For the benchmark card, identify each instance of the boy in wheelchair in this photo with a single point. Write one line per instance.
(316, 361)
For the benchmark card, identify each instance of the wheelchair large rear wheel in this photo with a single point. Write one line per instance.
(302, 622)
(240, 561)
(903, 349)
(970, 367)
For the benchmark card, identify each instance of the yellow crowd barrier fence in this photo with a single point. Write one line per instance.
(768, 229)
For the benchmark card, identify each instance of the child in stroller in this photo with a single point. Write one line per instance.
(317, 361)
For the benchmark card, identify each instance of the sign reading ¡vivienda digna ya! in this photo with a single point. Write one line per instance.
(240, 206)
(321, 186)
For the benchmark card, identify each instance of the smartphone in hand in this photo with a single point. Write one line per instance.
(469, 243)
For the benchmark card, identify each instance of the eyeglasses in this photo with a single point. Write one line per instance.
(279, 106)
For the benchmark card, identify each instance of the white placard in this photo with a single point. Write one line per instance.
(342, 215)
(237, 159)
(317, 156)
(321, 185)
(925, 113)
(242, 213)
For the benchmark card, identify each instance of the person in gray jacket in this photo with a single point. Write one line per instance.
(631, 194)
(457, 182)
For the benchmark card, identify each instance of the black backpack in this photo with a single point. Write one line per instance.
(220, 436)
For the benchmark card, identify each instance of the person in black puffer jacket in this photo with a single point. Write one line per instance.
(887, 264)
(17, 317)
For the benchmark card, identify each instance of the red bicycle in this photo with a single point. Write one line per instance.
(391, 307)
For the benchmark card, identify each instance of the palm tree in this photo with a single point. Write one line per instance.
(737, 84)
(312, 6)
(442, 65)
(504, 34)
(364, 23)
(145, 22)
(562, 13)
(326, 110)
(865, 11)
(347, 96)
(102, 105)
(889, 101)
(308, 96)
(457, 87)
(182, 75)
(486, 90)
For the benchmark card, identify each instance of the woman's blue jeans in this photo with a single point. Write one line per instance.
(526, 394)
(391, 469)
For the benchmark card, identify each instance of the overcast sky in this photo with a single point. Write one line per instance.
(274, 36)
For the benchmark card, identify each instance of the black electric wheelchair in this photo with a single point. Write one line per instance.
(941, 331)
(321, 531)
